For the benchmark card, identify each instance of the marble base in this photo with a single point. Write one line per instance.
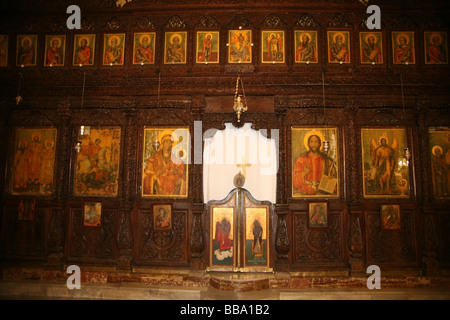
(153, 283)
(240, 282)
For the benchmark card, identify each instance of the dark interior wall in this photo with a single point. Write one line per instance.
(280, 96)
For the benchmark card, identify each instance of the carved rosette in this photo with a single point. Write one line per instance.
(92, 242)
(317, 245)
(164, 245)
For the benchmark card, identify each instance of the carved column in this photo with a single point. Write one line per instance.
(65, 150)
(353, 191)
(125, 235)
(129, 168)
(56, 234)
(56, 238)
(282, 242)
(197, 242)
(125, 241)
(355, 243)
(430, 243)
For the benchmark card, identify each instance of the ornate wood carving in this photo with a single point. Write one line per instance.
(402, 22)
(56, 238)
(175, 22)
(113, 24)
(355, 243)
(207, 21)
(240, 21)
(132, 97)
(391, 247)
(339, 21)
(306, 21)
(159, 247)
(144, 22)
(282, 242)
(312, 246)
(93, 242)
(129, 190)
(197, 236)
(125, 242)
(430, 241)
(273, 21)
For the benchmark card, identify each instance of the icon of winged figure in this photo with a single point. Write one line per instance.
(383, 160)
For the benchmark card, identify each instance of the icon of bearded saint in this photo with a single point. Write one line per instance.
(384, 159)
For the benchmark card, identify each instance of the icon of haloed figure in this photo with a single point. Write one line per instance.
(163, 219)
(92, 216)
(391, 220)
(257, 249)
(162, 175)
(311, 166)
(222, 239)
(318, 219)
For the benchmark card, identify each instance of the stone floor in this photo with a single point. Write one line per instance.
(43, 290)
(30, 283)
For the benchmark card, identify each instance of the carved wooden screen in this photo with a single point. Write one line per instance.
(239, 233)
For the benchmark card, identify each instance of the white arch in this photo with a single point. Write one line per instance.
(232, 146)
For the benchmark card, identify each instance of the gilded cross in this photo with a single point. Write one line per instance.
(243, 165)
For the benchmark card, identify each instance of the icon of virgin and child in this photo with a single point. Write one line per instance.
(162, 175)
(312, 167)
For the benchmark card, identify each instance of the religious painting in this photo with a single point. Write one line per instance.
(26, 50)
(4, 50)
(55, 50)
(272, 46)
(222, 237)
(385, 170)
(338, 46)
(162, 217)
(390, 217)
(34, 159)
(144, 48)
(97, 164)
(175, 47)
(440, 161)
(256, 226)
(240, 46)
(318, 214)
(207, 47)
(26, 209)
(315, 168)
(84, 49)
(436, 50)
(403, 47)
(371, 46)
(306, 46)
(114, 49)
(92, 214)
(165, 162)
